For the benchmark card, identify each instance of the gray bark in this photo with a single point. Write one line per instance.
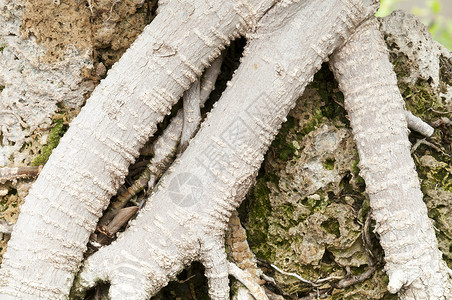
(185, 221)
(67, 199)
(187, 215)
(373, 100)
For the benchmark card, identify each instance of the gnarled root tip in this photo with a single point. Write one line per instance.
(397, 280)
(423, 284)
(128, 281)
(213, 257)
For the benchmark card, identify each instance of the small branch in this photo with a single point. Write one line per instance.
(90, 6)
(441, 112)
(192, 115)
(247, 280)
(442, 121)
(294, 275)
(121, 218)
(416, 124)
(423, 141)
(7, 174)
(366, 238)
(346, 282)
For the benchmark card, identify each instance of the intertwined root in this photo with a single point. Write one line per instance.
(164, 149)
(188, 213)
(92, 159)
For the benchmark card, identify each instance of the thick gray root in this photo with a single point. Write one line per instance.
(92, 159)
(378, 118)
(188, 212)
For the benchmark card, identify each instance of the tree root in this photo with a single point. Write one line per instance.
(164, 149)
(372, 99)
(188, 213)
(91, 161)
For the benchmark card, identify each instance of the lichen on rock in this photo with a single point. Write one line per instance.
(36, 84)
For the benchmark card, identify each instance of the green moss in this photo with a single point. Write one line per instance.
(329, 163)
(319, 204)
(436, 177)
(2, 47)
(360, 181)
(2, 87)
(260, 209)
(58, 130)
(420, 99)
(355, 170)
(316, 120)
(400, 61)
(331, 226)
(332, 107)
(282, 147)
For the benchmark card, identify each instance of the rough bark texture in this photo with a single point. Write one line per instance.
(188, 213)
(114, 124)
(301, 223)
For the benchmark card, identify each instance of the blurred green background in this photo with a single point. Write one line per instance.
(435, 14)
